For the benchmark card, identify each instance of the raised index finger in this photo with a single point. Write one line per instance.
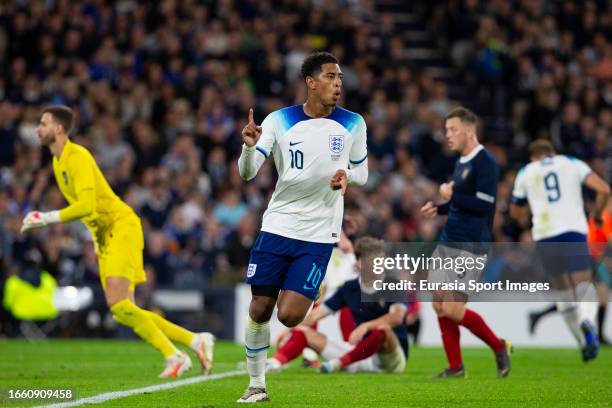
(251, 120)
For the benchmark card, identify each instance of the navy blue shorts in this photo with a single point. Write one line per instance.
(564, 253)
(290, 264)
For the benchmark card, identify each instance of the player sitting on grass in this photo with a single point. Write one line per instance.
(118, 240)
(379, 343)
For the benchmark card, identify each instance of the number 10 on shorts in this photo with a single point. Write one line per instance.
(314, 277)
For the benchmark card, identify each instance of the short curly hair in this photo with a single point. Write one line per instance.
(313, 63)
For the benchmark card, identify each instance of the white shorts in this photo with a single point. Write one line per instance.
(394, 362)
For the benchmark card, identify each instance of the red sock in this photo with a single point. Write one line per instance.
(293, 348)
(450, 338)
(477, 325)
(364, 349)
(347, 322)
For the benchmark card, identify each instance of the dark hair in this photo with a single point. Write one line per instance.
(540, 147)
(313, 63)
(61, 114)
(369, 247)
(463, 114)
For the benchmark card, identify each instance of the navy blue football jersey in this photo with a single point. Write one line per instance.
(472, 206)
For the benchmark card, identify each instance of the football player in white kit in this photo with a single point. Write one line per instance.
(319, 149)
(552, 186)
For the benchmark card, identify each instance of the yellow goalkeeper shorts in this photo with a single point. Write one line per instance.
(120, 251)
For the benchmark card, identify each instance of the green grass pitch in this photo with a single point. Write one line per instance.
(539, 378)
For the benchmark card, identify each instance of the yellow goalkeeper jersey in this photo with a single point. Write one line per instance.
(89, 196)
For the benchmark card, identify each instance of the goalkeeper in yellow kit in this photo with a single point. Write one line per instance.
(118, 237)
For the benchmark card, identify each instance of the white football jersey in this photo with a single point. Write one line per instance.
(307, 152)
(553, 188)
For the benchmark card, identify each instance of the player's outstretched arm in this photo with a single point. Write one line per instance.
(393, 318)
(37, 219)
(81, 208)
(315, 315)
(82, 176)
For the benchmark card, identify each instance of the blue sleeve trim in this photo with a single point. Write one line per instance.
(358, 161)
(521, 202)
(262, 151)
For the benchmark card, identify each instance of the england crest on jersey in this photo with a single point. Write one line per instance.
(336, 145)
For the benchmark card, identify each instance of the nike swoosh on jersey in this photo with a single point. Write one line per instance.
(294, 143)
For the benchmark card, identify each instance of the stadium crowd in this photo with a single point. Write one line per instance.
(162, 90)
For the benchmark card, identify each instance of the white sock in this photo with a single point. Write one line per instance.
(195, 342)
(335, 364)
(257, 342)
(586, 295)
(570, 313)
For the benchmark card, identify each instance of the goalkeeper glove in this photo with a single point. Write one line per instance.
(37, 219)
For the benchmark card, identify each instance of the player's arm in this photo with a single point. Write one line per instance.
(519, 210)
(599, 185)
(85, 189)
(316, 314)
(357, 174)
(430, 210)
(595, 183)
(393, 318)
(258, 142)
(82, 176)
(330, 306)
(519, 213)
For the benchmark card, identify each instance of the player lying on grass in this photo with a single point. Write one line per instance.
(118, 239)
(379, 343)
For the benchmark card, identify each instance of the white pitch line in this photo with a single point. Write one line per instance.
(107, 396)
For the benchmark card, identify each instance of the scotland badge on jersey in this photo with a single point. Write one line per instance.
(336, 145)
